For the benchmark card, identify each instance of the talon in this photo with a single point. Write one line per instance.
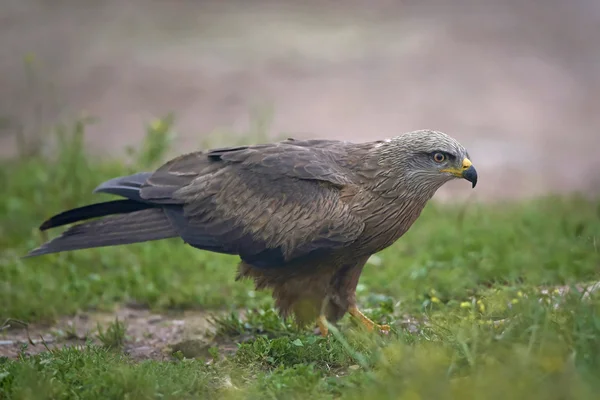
(385, 329)
(370, 325)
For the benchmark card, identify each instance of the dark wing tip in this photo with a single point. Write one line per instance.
(93, 211)
(47, 224)
(53, 222)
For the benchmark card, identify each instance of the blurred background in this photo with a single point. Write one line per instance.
(518, 83)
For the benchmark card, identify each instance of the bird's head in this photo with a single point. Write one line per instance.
(428, 159)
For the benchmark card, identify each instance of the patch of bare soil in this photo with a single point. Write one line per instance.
(148, 335)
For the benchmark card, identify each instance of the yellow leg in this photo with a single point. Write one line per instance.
(322, 321)
(322, 324)
(370, 325)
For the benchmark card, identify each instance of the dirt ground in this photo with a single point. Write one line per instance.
(517, 82)
(148, 335)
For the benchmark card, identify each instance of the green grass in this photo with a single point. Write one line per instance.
(472, 271)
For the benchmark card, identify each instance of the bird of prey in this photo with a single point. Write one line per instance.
(303, 216)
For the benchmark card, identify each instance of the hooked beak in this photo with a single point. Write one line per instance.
(467, 172)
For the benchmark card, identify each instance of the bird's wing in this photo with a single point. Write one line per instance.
(271, 204)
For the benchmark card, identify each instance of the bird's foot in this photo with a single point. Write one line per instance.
(370, 325)
(322, 324)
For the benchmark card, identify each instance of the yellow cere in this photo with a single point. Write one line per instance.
(458, 172)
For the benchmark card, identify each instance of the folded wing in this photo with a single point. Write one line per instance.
(270, 204)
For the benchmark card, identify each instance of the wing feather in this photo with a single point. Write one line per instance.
(271, 204)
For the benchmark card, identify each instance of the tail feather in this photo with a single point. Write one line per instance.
(93, 211)
(135, 227)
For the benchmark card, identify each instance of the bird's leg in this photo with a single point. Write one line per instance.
(322, 320)
(370, 325)
(322, 324)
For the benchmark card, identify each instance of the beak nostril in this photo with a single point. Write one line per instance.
(466, 164)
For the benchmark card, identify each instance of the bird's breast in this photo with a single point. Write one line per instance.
(386, 221)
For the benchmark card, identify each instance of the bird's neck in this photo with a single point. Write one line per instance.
(390, 185)
(385, 174)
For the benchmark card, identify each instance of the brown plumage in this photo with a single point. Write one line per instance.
(303, 215)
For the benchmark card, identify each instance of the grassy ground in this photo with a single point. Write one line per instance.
(463, 290)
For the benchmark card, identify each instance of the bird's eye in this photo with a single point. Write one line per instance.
(439, 157)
